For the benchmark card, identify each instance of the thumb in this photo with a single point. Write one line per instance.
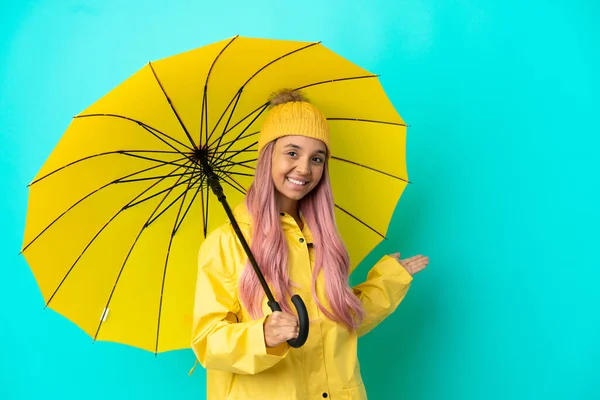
(395, 255)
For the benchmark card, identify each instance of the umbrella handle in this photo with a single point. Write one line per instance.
(302, 319)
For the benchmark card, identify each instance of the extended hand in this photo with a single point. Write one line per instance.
(413, 264)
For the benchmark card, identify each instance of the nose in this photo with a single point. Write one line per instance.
(303, 167)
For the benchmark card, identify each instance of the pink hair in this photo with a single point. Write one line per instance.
(269, 247)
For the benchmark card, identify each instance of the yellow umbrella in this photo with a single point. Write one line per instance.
(118, 211)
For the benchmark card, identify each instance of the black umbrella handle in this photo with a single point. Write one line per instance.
(302, 320)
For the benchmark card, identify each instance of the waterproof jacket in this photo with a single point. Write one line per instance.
(231, 346)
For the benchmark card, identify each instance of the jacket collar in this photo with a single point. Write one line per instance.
(242, 216)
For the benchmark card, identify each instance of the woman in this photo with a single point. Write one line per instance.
(288, 217)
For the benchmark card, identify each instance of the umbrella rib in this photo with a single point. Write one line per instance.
(163, 140)
(234, 173)
(96, 236)
(146, 224)
(337, 80)
(93, 156)
(172, 107)
(161, 192)
(239, 187)
(235, 153)
(205, 95)
(202, 209)
(191, 203)
(155, 177)
(162, 289)
(237, 99)
(227, 169)
(147, 127)
(241, 89)
(204, 117)
(239, 164)
(188, 188)
(231, 141)
(278, 59)
(231, 163)
(262, 109)
(205, 211)
(176, 199)
(242, 132)
(357, 219)
(240, 151)
(370, 168)
(366, 120)
(300, 88)
(85, 197)
(173, 232)
(153, 159)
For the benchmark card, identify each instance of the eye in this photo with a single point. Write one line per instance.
(318, 160)
(292, 153)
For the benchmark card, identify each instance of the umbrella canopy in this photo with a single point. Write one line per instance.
(120, 207)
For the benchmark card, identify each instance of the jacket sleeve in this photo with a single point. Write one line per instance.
(219, 341)
(386, 285)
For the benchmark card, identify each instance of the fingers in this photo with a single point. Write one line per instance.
(412, 264)
(283, 319)
(415, 264)
(286, 333)
(275, 337)
(420, 260)
(415, 258)
(410, 259)
(280, 327)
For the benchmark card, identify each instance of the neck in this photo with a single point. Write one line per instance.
(287, 206)
(290, 207)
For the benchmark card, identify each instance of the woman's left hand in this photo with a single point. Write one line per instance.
(413, 264)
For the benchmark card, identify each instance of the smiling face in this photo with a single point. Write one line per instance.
(296, 168)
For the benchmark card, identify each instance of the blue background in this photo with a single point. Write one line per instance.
(502, 99)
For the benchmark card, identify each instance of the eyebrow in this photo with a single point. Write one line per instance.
(295, 146)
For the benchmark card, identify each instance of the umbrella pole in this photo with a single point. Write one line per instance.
(217, 189)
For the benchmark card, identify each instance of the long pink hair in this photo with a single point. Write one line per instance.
(270, 249)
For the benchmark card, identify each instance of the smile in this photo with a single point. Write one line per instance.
(295, 182)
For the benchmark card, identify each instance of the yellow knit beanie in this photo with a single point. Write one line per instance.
(292, 114)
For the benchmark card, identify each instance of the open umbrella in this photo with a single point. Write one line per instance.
(118, 210)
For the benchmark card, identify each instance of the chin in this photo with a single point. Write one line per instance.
(295, 196)
(291, 194)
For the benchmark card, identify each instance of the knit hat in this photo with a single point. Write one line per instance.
(292, 114)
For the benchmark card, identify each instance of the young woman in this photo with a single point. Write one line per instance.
(288, 219)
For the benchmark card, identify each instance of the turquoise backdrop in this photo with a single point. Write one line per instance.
(502, 99)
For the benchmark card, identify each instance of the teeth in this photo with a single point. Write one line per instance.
(295, 182)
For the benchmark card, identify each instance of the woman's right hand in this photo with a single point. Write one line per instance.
(280, 327)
